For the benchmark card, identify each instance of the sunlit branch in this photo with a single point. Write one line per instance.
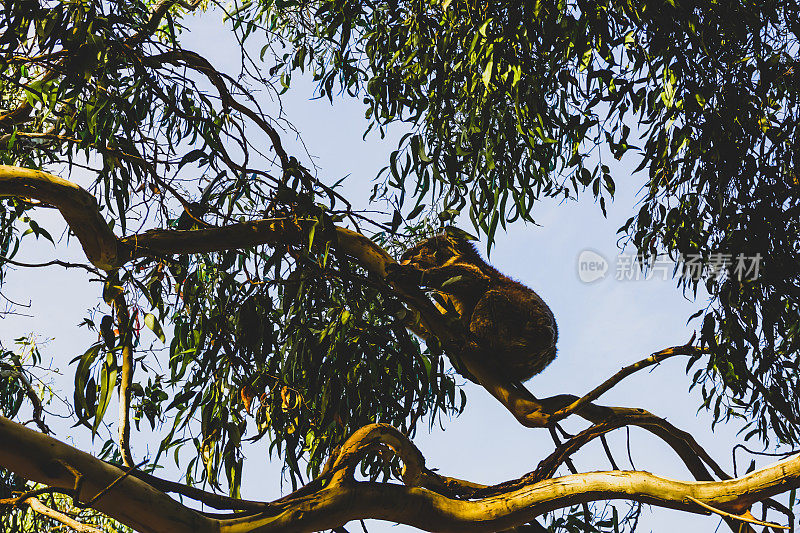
(36, 505)
(135, 503)
(102, 247)
(653, 359)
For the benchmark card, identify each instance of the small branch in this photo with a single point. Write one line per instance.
(217, 501)
(17, 500)
(741, 518)
(111, 485)
(653, 359)
(198, 63)
(38, 410)
(126, 377)
(156, 15)
(54, 262)
(36, 505)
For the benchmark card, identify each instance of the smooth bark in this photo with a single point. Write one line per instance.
(135, 503)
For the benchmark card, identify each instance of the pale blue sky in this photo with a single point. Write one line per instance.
(602, 326)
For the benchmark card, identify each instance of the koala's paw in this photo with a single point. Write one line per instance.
(403, 274)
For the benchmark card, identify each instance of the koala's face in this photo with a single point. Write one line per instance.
(429, 253)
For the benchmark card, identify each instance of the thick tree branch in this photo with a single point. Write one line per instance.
(133, 502)
(78, 207)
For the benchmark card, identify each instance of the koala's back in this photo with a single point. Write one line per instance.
(509, 323)
(516, 328)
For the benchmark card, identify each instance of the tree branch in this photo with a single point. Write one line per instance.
(352, 451)
(36, 505)
(106, 251)
(653, 359)
(133, 502)
(78, 207)
(126, 377)
(36, 402)
(745, 517)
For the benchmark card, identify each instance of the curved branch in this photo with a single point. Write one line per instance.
(367, 437)
(106, 251)
(653, 359)
(135, 503)
(36, 402)
(78, 207)
(217, 501)
(745, 517)
(682, 443)
(199, 63)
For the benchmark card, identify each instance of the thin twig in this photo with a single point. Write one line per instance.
(54, 262)
(38, 410)
(113, 484)
(17, 500)
(217, 501)
(608, 452)
(741, 518)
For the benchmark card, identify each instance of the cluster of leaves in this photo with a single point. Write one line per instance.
(302, 342)
(98, 83)
(722, 157)
(507, 101)
(12, 391)
(12, 395)
(7, 241)
(299, 337)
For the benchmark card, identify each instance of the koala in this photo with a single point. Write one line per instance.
(509, 325)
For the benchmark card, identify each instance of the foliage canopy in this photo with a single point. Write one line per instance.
(505, 104)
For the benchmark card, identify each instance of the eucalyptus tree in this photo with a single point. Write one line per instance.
(269, 291)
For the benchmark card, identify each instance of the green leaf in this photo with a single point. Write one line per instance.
(454, 279)
(416, 211)
(82, 407)
(108, 382)
(152, 322)
(487, 73)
